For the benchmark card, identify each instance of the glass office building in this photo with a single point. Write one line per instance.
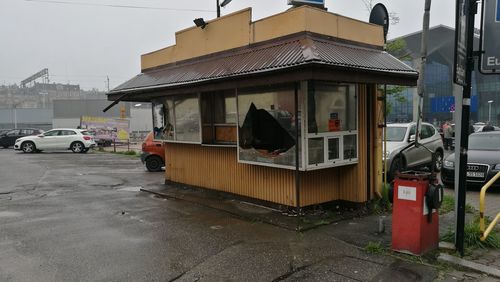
(440, 91)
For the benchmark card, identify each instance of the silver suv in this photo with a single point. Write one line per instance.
(400, 135)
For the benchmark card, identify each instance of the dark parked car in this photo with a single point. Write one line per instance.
(8, 138)
(483, 160)
(3, 131)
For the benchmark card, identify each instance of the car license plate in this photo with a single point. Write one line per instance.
(475, 174)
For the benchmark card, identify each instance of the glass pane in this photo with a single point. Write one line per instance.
(163, 119)
(332, 107)
(333, 149)
(316, 151)
(267, 127)
(218, 113)
(187, 119)
(230, 103)
(350, 147)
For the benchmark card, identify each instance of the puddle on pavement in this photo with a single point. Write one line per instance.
(10, 214)
(131, 189)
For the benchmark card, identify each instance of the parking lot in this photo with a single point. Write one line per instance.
(80, 217)
(492, 198)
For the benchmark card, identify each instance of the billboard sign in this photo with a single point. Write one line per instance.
(307, 2)
(461, 31)
(106, 128)
(490, 41)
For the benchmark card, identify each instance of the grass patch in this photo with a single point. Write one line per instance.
(374, 248)
(130, 153)
(472, 235)
(448, 205)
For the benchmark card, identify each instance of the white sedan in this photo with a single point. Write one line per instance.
(76, 140)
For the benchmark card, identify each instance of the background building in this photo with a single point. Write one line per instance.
(439, 101)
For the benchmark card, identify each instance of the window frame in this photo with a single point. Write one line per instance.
(327, 163)
(302, 90)
(214, 125)
(159, 101)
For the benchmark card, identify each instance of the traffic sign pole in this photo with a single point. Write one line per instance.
(470, 12)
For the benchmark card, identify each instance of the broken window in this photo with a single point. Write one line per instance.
(177, 118)
(163, 119)
(266, 127)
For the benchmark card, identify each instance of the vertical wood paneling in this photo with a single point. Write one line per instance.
(217, 168)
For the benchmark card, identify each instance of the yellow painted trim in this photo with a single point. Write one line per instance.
(237, 30)
(482, 195)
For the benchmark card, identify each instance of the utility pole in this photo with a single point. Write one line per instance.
(107, 82)
(423, 61)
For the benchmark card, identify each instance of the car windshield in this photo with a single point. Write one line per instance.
(396, 134)
(484, 142)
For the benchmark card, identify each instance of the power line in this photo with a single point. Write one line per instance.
(118, 6)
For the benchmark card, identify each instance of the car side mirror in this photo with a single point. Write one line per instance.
(41, 135)
(412, 138)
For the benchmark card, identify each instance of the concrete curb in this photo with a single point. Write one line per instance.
(469, 264)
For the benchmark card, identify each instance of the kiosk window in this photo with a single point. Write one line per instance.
(187, 118)
(266, 127)
(177, 118)
(218, 117)
(332, 124)
(163, 119)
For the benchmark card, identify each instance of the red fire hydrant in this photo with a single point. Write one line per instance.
(415, 218)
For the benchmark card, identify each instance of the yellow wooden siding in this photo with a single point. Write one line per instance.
(217, 168)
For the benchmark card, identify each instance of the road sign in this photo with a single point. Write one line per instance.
(490, 37)
(320, 3)
(461, 30)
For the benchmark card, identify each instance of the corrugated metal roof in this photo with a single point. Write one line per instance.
(265, 58)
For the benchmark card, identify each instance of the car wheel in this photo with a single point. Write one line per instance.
(438, 162)
(396, 166)
(154, 163)
(77, 147)
(28, 147)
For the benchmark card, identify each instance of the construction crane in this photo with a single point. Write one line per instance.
(41, 74)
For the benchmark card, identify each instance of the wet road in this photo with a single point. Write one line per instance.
(79, 217)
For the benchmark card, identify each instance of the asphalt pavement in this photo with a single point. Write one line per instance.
(81, 217)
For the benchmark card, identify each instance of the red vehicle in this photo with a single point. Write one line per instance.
(153, 153)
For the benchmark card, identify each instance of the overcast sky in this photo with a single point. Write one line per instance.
(83, 42)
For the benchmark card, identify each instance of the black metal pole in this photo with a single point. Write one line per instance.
(297, 152)
(218, 9)
(464, 130)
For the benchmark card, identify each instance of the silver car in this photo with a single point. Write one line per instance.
(400, 135)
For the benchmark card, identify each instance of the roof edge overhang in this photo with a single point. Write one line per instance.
(270, 42)
(309, 71)
(402, 76)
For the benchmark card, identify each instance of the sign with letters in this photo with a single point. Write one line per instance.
(490, 41)
(320, 3)
(461, 30)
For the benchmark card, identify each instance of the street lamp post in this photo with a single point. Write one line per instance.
(489, 110)
(223, 4)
